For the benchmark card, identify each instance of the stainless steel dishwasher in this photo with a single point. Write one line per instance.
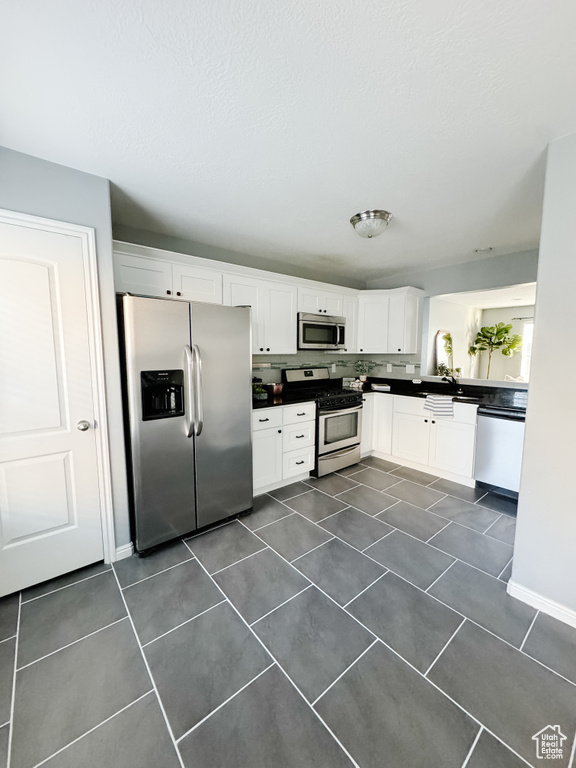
(499, 445)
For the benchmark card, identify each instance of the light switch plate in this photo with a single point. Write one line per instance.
(389, 368)
(333, 367)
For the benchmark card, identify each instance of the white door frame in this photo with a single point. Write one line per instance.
(88, 243)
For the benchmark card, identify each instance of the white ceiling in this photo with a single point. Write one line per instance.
(523, 295)
(261, 126)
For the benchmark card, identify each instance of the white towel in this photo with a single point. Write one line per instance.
(440, 405)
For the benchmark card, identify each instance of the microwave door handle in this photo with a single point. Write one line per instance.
(189, 398)
(198, 390)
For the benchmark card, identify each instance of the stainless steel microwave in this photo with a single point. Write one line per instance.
(321, 331)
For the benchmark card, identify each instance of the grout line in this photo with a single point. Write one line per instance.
(471, 750)
(94, 728)
(313, 549)
(223, 704)
(145, 645)
(439, 530)
(7, 638)
(296, 495)
(571, 758)
(396, 654)
(349, 667)
(439, 577)
(493, 523)
(376, 542)
(331, 515)
(429, 507)
(506, 566)
(430, 595)
(273, 521)
(446, 644)
(209, 530)
(5, 724)
(366, 588)
(13, 698)
(159, 700)
(74, 642)
(240, 561)
(529, 630)
(480, 499)
(281, 604)
(282, 670)
(66, 586)
(146, 578)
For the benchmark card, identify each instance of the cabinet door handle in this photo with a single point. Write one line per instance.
(433, 422)
(169, 293)
(299, 436)
(263, 419)
(261, 349)
(300, 462)
(279, 431)
(178, 293)
(426, 420)
(267, 349)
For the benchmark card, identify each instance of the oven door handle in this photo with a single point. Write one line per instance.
(339, 412)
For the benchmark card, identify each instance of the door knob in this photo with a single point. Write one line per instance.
(83, 425)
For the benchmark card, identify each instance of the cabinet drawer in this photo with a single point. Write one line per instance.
(266, 418)
(297, 462)
(293, 414)
(297, 436)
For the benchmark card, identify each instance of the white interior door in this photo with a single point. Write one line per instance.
(50, 500)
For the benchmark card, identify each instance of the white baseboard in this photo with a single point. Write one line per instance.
(126, 550)
(544, 604)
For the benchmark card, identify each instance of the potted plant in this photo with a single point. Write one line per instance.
(363, 368)
(493, 337)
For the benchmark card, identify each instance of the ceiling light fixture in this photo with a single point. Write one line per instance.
(370, 223)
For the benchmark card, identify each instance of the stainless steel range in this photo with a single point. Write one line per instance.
(338, 416)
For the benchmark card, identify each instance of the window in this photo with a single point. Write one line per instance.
(527, 335)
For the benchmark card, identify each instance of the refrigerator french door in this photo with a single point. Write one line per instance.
(188, 386)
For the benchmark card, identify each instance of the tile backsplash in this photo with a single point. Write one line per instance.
(268, 367)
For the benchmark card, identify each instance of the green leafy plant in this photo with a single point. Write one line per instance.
(363, 367)
(496, 337)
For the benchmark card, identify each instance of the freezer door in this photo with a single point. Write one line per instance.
(222, 362)
(157, 335)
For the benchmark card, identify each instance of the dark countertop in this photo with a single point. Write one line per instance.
(506, 398)
(275, 400)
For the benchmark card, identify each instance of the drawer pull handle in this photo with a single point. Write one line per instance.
(300, 462)
(301, 414)
(299, 436)
(263, 419)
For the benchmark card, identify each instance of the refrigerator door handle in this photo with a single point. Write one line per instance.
(190, 408)
(198, 391)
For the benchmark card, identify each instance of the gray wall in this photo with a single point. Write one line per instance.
(37, 187)
(545, 547)
(193, 248)
(494, 272)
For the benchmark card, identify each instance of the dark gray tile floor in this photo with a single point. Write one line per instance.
(357, 620)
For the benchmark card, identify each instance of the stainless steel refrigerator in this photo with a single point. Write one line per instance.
(189, 399)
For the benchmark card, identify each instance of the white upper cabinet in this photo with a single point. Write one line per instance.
(156, 277)
(197, 283)
(350, 312)
(389, 321)
(273, 312)
(135, 274)
(373, 321)
(320, 302)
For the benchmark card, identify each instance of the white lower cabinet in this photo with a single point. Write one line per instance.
(439, 442)
(283, 440)
(267, 455)
(367, 438)
(382, 420)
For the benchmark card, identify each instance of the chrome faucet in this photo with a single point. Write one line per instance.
(456, 388)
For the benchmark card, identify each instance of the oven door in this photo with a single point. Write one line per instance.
(339, 429)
